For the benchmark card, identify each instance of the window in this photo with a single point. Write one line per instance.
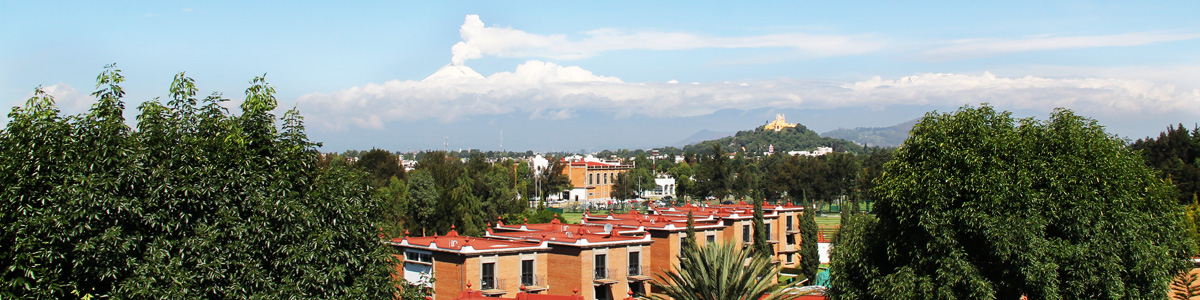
(590, 178)
(789, 258)
(682, 237)
(527, 273)
(789, 223)
(767, 227)
(791, 239)
(413, 256)
(746, 233)
(487, 278)
(601, 264)
(635, 263)
(712, 239)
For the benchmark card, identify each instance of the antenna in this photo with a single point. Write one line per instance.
(446, 145)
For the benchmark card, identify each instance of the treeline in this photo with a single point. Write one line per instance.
(444, 192)
(192, 203)
(780, 177)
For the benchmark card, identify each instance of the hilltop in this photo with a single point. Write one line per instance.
(789, 137)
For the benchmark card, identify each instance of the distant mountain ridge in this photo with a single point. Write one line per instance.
(702, 136)
(891, 136)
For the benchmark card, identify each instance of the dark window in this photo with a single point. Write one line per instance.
(791, 239)
(527, 273)
(770, 237)
(746, 233)
(635, 263)
(487, 280)
(789, 223)
(712, 239)
(601, 264)
(789, 258)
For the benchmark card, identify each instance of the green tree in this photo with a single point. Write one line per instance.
(194, 204)
(689, 242)
(810, 258)
(421, 209)
(394, 202)
(1176, 154)
(380, 165)
(979, 205)
(760, 248)
(683, 180)
(713, 176)
(721, 272)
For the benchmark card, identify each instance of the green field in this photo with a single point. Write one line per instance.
(572, 218)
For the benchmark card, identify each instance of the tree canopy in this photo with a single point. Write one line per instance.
(196, 203)
(979, 205)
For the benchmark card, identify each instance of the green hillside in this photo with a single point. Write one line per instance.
(798, 138)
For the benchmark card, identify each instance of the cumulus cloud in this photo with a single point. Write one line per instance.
(975, 48)
(544, 90)
(479, 40)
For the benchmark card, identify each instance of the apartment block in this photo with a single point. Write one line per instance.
(605, 257)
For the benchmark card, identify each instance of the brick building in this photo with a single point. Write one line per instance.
(591, 179)
(605, 257)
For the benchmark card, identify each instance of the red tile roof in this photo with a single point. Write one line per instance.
(452, 242)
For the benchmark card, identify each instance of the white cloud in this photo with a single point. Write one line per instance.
(479, 40)
(549, 91)
(976, 48)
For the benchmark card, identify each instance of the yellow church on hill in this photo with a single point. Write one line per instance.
(778, 124)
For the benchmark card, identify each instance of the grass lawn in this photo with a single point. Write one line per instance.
(572, 218)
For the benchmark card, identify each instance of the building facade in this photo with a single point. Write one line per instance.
(605, 257)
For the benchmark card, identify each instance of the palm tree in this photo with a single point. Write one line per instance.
(722, 272)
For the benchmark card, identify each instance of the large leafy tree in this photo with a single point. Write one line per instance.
(194, 204)
(979, 205)
(721, 272)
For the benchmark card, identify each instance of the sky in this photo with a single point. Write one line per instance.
(548, 76)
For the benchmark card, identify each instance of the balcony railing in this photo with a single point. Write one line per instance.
(530, 280)
(602, 273)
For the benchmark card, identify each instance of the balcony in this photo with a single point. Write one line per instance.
(489, 286)
(534, 283)
(603, 276)
(638, 273)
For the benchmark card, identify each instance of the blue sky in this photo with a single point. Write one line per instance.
(571, 76)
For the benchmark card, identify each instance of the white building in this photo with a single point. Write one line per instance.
(664, 185)
(820, 151)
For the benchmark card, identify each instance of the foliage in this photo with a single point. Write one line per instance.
(1176, 155)
(721, 272)
(194, 204)
(713, 176)
(810, 258)
(977, 205)
(541, 215)
(380, 165)
(683, 179)
(761, 247)
(689, 243)
(1184, 286)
